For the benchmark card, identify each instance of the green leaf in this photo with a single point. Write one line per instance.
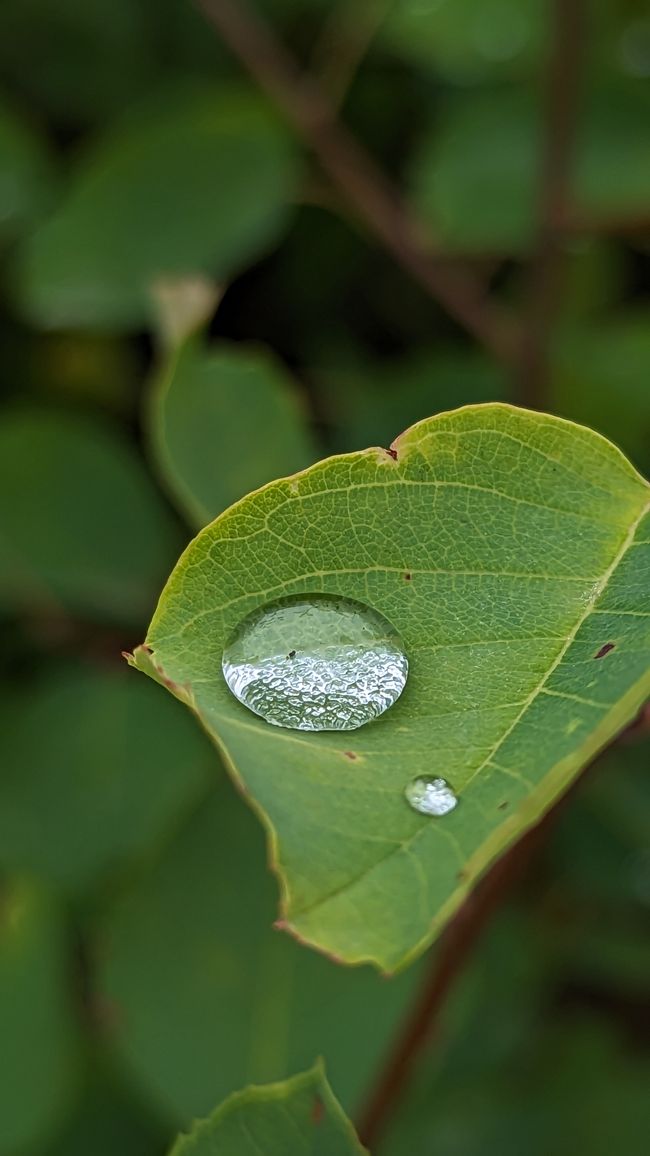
(574, 1087)
(466, 39)
(508, 550)
(368, 400)
(299, 1117)
(38, 1039)
(107, 1121)
(600, 375)
(75, 61)
(83, 529)
(74, 817)
(26, 176)
(225, 420)
(475, 177)
(191, 183)
(236, 1002)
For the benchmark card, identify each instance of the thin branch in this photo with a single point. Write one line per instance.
(355, 174)
(455, 951)
(447, 963)
(607, 224)
(545, 285)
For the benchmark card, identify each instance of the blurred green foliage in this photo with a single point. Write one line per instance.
(140, 979)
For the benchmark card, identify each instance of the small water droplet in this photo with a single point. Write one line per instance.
(347, 663)
(430, 796)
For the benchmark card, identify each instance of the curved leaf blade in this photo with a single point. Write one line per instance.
(509, 550)
(27, 176)
(190, 184)
(299, 1117)
(192, 1033)
(83, 528)
(76, 820)
(40, 1049)
(225, 420)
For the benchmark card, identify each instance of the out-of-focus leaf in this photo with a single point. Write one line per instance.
(38, 1037)
(225, 420)
(572, 1088)
(107, 1122)
(83, 529)
(475, 175)
(26, 175)
(509, 550)
(601, 376)
(98, 370)
(595, 269)
(193, 182)
(72, 806)
(299, 1117)
(599, 843)
(466, 40)
(208, 997)
(367, 402)
(77, 61)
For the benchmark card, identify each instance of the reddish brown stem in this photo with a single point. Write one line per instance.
(356, 175)
(545, 283)
(447, 963)
(455, 950)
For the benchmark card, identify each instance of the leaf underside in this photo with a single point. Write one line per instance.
(509, 550)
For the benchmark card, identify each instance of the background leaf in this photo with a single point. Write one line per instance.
(506, 548)
(107, 1120)
(475, 175)
(26, 175)
(38, 1036)
(93, 775)
(369, 400)
(466, 40)
(83, 528)
(66, 59)
(601, 376)
(225, 420)
(239, 1002)
(192, 182)
(297, 1117)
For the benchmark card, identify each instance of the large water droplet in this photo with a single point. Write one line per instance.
(430, 796)
(316, 663)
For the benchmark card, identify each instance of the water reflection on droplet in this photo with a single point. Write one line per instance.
(316, 663)
(430, 796)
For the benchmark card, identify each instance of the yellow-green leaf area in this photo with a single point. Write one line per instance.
(511, 552)
(297, 1117)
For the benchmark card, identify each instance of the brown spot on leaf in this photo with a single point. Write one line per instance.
(147, 649)
(408, 576)
(392, 453)
(605, 649)
(317, 1110)
(350, 755)
(462, 875)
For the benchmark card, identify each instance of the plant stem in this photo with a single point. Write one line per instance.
(455, 949)
(545, 278)
(356, 175)
(447, 963)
